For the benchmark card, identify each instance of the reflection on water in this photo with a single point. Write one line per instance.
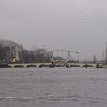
(53, 87)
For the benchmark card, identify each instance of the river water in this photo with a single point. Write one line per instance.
(53, 87)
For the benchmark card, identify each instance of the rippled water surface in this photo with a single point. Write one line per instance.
(53, 87)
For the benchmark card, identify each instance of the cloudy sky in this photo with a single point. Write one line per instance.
(79, 25)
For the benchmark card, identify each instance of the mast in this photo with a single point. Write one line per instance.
(106, 53)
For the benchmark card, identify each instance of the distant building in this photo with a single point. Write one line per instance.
(44, 55)
(28, 56)
(37, 56)
(10, 52)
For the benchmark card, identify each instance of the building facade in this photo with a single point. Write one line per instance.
(10, 52)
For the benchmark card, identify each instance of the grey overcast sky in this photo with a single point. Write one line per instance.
(79, 25)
